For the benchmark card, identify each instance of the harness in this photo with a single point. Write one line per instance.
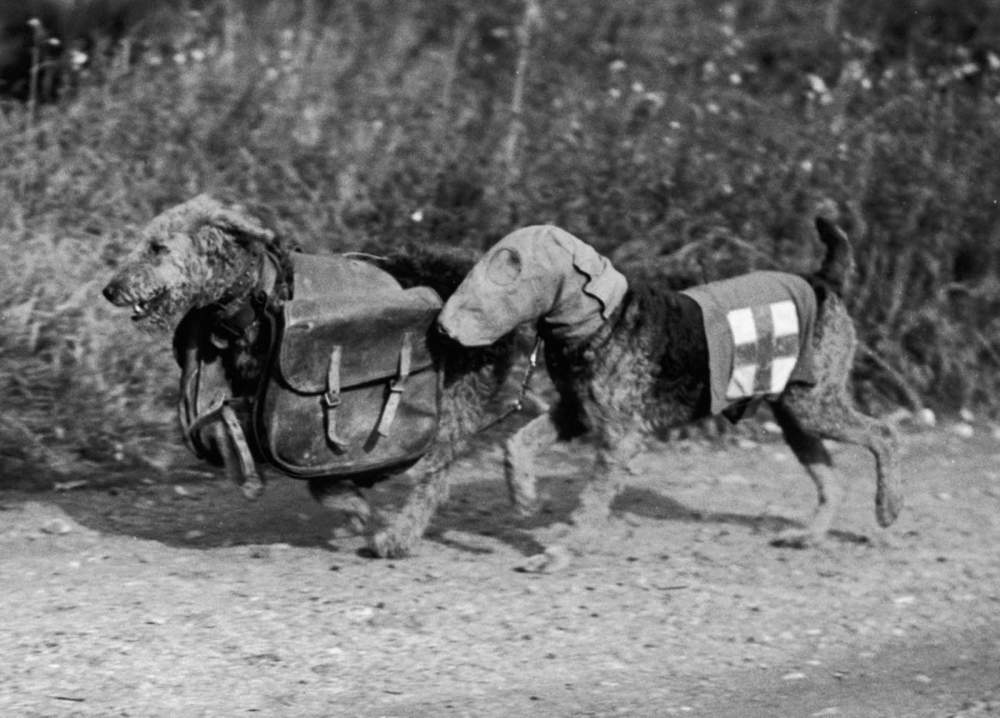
(348, 387)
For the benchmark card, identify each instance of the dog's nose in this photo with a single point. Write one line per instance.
(110, 292)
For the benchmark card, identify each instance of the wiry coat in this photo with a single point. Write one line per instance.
(646, 370)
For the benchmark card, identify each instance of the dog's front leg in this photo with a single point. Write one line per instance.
(589, 521)
(344, 497)
(614, 452)
(519, 462)
(395, 535)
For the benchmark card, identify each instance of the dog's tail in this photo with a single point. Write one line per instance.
(839, 261)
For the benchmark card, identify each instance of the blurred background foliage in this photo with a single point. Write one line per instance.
(645, 127)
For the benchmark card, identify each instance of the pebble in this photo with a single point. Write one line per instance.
(359, 614)
(926, 417)
(793, 676)
(963, 430)
(57, 526)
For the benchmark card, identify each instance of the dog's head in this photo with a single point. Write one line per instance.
(190, 255)
(539, 272)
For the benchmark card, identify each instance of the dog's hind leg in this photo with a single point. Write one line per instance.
(519, 461)
(833, 417)
(814, 457)
(395, 535)
(343, 497)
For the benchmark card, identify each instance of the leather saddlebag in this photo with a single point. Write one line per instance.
(352, 388)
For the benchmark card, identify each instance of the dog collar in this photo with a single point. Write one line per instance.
(235, 319)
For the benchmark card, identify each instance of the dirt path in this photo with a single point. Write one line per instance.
(181, 599)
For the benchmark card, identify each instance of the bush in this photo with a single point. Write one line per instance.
(372, 123)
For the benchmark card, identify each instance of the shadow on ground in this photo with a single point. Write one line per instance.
(197, 509)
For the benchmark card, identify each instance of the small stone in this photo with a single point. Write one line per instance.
(57, 526)
(193, 534)
(771, 427)
(793, 676)
(926, 417)
(904, 600)
(359, 614)
(966, 415)
(963, 430)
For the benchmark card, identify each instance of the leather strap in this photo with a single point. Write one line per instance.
(331, 399)
(248, 479)
(397, 385)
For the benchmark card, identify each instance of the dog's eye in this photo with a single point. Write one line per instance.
(158, 248)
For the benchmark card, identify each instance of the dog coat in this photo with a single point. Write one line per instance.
(758, 327)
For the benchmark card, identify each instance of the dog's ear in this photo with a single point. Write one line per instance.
(604, 283)
(241, 224)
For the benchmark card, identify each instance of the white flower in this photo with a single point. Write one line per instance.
(78, 59)
(735, 79)
(417, 216)
(617, 65)
(638, 87)
(816, 84)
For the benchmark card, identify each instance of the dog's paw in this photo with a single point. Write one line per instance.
(888, 504)
(389, 544)
(552, 560)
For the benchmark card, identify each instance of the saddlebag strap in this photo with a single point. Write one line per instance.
(397, 385)
(331, 399)
(247, 477)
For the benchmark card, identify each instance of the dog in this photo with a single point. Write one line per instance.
(631, 359)
(211, 255)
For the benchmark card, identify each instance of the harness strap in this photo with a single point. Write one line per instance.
(251, 485)
(518, 404)
(331, 399)
(397, 385)
(232, 445)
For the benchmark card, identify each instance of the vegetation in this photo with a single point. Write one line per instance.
(368, 123)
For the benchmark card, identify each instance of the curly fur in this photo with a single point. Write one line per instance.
(198, 260)
(645, 371)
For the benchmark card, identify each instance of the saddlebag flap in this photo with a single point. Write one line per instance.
(353, 388)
